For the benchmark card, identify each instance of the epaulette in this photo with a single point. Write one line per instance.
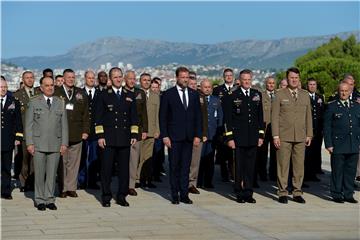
(110, 90)
(332, 101)
(124, 90)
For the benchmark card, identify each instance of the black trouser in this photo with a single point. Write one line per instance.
(226, 159)
(158, 158)
(343, 172)
(18, 161)
(89, 164)
(245, 158)
(6, 159)
(121, 156)
(206, 169)
(313, 158)
(262, 157)
(179, 168)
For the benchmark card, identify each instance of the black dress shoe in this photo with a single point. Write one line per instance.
(6, 196)
(256, 185)
(299, 199)
(350, 200)
(41, 207)
(357, 178)
(63, 195)
(240, 200)
(175, 201)
(283, 199)
(150, 185)
(51, 206)
(304, 185)
(193, 190)
(106, 204)
(72, 194)
(338, 200)
(186, 200)
(137, 185)
(132, 192)
(250, 200)
(122, 202)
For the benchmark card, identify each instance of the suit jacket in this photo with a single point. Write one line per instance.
(266, 103)
(176, 122)
(46, 128)
(342, 127)
(204, 114)
(78, 118)
(11, 124)
(91, 106)
(317, 110)
(140, 99)
(116, 119)
(243, 117)
(215, 117)
(291, 120)
(153, 108)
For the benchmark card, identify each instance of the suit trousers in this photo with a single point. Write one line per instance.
(245, 158)
(207, 164)
(26, 176)
(313, 157)
(295, 152)
(89, 164)
(225, 156)
(134, 163)
(144, 171)
(71, 164)
(45, 164)
(18, 159)
(195, 164)
(343, 171)
(6, 160)
(179, 165)
(121, 156)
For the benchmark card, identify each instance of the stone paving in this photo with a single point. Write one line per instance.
(214, 215)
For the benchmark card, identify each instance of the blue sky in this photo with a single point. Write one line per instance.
(51, 28)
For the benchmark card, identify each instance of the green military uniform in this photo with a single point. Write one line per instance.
(342, 132)
(26, 176)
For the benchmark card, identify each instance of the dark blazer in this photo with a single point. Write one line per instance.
(177, 123)
(215, 117)
(11, 124)
(243, 117)
(116, 119)
(91, 107)
(317, 110)
(342, 127)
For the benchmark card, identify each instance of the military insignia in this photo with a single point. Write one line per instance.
(221, 94)
(319, 101)
(12, 106)
(285, 100)
(124, 90)
(79, 96)
(215, 113)
(110, 90)
(256, 98)
(237, 102)
(110, 107)
(358, 100)
(129, 99)
(201, 100)
(338, 115)
(22, 108)
(138, 97)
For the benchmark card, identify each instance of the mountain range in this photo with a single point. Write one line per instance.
(259, 54)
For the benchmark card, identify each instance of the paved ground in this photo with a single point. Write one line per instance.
(214, 215)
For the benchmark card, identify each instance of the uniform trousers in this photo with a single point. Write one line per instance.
(343, 171)
(26, 176)
(195, 164)
(144, 171)
(295, 152)
(121, 156)
(6, 159)
(45, 164)
(179, 167)
(207, 164)
(71, 163)
(134, 163)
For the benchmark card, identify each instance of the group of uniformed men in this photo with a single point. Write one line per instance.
(77, 137)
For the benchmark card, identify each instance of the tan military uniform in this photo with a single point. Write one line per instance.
(292, 122)
(27, 168)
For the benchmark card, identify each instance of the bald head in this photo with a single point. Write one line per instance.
(344, 91)
(206, 87)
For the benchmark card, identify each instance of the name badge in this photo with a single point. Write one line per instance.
(69, 106)
(215, 113)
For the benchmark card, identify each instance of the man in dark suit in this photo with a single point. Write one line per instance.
(313, 152)
(89, 170)
(244, 130)
(11, 135)
(214, 122)
(76, 104)
(342, 140)
(180, 128)
(225, 155)
(117, 129)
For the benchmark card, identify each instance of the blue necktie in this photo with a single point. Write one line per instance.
(118, 94)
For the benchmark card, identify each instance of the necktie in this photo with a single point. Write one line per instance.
(70, 93)
(294, 96)
(208, 99)
(313, 97)
(346, 104)
(118, 94)
(184, 98)
(271, 96)
(246, 93)
(31, 93)
(48, 102)
(2, 101)
(90, 94)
